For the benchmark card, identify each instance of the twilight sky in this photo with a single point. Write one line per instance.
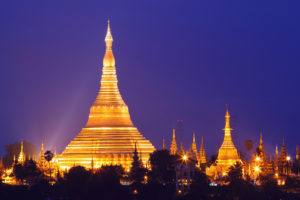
(175, 60)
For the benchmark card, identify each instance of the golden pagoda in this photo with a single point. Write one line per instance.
(109, 136)
(227, 155)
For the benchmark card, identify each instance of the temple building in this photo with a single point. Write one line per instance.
(227, 155)
(109, 135)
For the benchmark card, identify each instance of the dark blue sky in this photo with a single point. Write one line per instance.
(175, 60)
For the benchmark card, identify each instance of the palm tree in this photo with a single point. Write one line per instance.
(48, 156)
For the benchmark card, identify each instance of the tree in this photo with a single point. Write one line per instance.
(106, 181)
(77, 182)
(27, 172)
(235, 173)
(48, 156)
(269, 187)
(212, 160)
(137, 171)
(163, 166)
(238, 187)
(19, 172)
(199, 188)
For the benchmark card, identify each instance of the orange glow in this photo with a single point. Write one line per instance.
(184, 157)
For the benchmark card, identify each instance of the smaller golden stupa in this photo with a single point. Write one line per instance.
(227, 155)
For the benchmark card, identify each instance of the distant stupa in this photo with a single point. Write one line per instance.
(228, 154)
(109, 136)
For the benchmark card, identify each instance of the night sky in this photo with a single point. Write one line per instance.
(175, 60)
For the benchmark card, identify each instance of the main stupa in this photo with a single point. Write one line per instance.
(109, 136)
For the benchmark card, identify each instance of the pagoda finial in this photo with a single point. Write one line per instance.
(108, 38)
(108, 60)
(194, 138)
(22, 146)
(261, 140)
(276, 150)
(227, 120)
(283, 143)
(42, 146)
(164, 144)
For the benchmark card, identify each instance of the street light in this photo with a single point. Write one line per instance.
(288, 158)
(184, 157)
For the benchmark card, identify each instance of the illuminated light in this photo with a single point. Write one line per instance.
(256, 168)
(224, 173)
(135, 191)
(276, 175)
(179, 191)
(288, 158)
(184, 157)
(257, 158)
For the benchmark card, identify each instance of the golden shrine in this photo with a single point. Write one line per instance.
(109, 136)
(227, 155)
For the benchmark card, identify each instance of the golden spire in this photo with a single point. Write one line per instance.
(261, 147)
(22, 146)
(227, 128)
(194, 138)
(202, 153)
(181, 148)
(21, 157)
(173, 148)
(164, 144)
(276, 150)
(194, 146)
(260, 140)
(109, 59)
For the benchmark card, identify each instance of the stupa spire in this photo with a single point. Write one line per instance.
(164, 144)
(202, 153)
(173, 148)
(21, 158)
(194, 146)
(261, 147)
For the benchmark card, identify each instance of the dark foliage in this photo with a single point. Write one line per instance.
(162, 165)
(27, 172)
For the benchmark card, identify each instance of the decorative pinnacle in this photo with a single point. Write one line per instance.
(108, 38)
(173, 133)
(261, 140)
(227, 119)
(194, 138)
